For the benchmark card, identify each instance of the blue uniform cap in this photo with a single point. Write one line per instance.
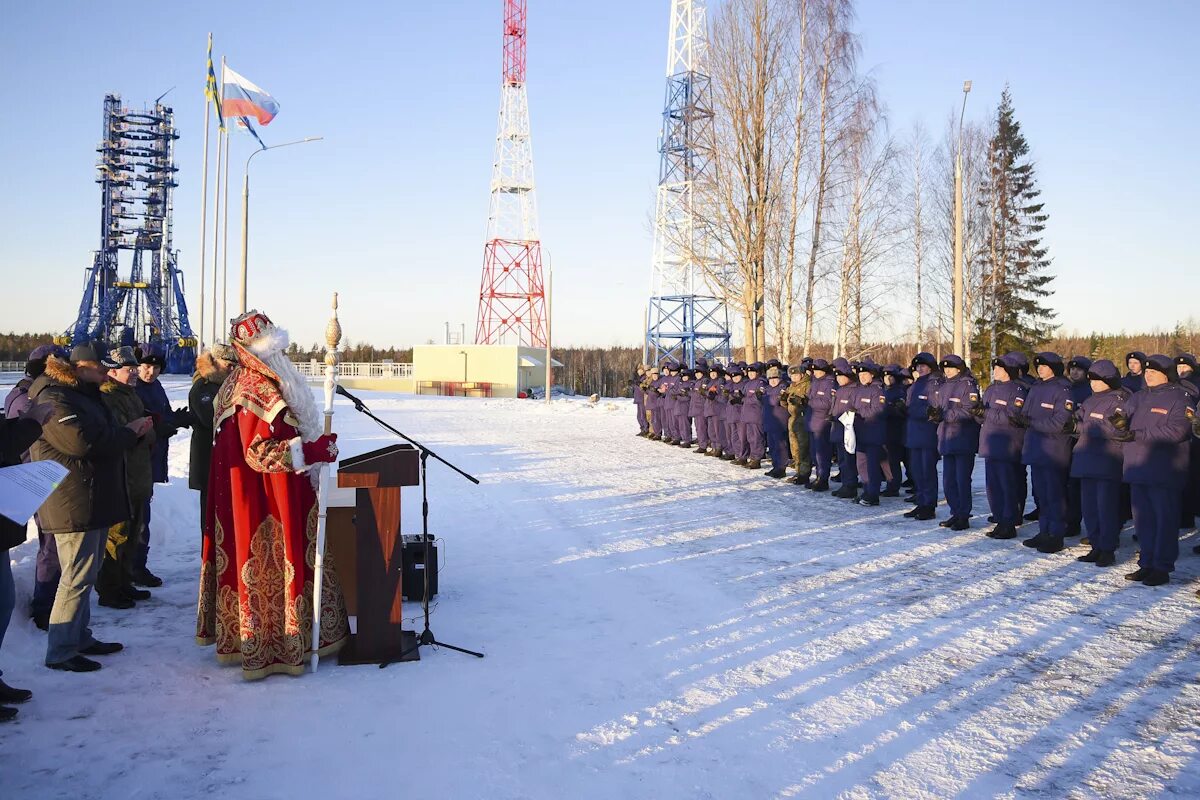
(1080, 362)
(1106, 371)
(953, 360)
(924, 358)
(1163, 364)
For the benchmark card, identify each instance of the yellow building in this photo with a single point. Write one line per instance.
(478, 370)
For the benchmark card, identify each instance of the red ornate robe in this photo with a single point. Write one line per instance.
(260, 532)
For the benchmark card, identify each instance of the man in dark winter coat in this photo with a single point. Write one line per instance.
(17, 435)
(735, 392)
(114, 585)
(714, 411)
(920, 436)
(82, 436)
(956, 410)
(683, 403)
(16, 404)
(1157, 429)
(1096, 461)
(1185, 368)
(697, 404)
(817, 421)
(1028, 380)
(167, 422)
(1000, 444)
(1047, 419)
(870, 430)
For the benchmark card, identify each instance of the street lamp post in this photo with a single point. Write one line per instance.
(959, 344)
(246, 210)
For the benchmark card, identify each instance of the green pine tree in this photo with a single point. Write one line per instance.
(1016, 277)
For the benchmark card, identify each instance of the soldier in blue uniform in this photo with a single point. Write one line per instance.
(714, 401)
(955, 410)
(869, 404)
(816, 418)
(920, 436)
(683, 405)
(653, 404)
(1081, 389)
(1096, 461)
(775, 422)
(1185, 368)
(666, 403)
(735, 392)
(1134, 379)
(696, 403)
(1000, 444)
(1157, 428)
(895, 394)
(751, 418)
(1047, 418)
(842, 398)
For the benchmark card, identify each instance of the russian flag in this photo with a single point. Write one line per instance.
(241, 98)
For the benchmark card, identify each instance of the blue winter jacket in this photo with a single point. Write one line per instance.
(958, 432)
(158, 405)
(870, 413)
(1049, 406)
(1098, 453)
(752, 408)
(843, 401)
(999, 439)
(896, 419)
(1080, 391)
(920, 433)
(735, 392)
(774, 415)
(1159, 452)
(820, 403)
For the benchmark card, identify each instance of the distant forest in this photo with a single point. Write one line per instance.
(607, 370)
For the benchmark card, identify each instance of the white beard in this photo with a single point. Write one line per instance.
(269, 346)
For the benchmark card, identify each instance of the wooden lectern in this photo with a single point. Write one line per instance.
(367, 550)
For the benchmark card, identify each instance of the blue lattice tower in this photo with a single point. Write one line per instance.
(684, 320)
(137, 181)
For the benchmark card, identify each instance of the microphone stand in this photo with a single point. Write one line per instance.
(426, 637)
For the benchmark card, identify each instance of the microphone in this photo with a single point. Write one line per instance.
(344, 393)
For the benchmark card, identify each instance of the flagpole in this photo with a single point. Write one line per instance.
(204, 198)
(222, 134)
(225, 242)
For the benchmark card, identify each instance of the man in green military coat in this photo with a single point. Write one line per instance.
(796, 398)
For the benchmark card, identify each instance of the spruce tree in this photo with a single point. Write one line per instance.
(1016, 277)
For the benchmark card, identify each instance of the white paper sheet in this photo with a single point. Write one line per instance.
(24, 487)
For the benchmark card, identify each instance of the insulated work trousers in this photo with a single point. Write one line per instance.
(870, 470)
(80, 555)
(822, 453)
(925, 480)
(893, 455)
(1050, 491)
(799, 443)
(1100, 501)
(777, 442)
(756, 443)
(956, 482)
(643, 423)
(121, 552)
(1003, 481)
(847, 466)
(1156, 520)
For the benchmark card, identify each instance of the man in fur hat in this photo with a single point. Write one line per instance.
(260, 523)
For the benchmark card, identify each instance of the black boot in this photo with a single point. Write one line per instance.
(778, 472)
(890, 493)
(1106, 558)
(1033, 541)
(753, 464)
(912, 512)
(1089, 557)
(727, 456)
(133, 593)
(867, 501)
(1138, 574)
(960, 523)
(820, 485)
(846, 493)
(1003, 532)
(42, 620)
(1051, 544)
(7, 713)
(946, 523)
(1032, 516)
(115, 601)
(1156, 577)
(8, 694)
(924, 513)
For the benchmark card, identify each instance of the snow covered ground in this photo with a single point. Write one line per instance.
(657, 625)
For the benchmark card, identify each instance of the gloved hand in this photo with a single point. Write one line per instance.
(323, 451)
(900, 407)
(1019, 419)
(977, 411)
(934, 414)
(759, 392)
(712, 391)
(1119, 420)
(1071, 426)
(736, 397)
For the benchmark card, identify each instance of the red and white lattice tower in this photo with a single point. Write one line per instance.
(512, 298)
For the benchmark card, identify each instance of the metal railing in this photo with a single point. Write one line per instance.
(12, 366)
(354, 369)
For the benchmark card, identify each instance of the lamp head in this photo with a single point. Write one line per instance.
(966, 86)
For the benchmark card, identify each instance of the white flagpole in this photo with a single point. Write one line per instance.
(225, 246)
(204, 195)
(221, 136)
(333, 336)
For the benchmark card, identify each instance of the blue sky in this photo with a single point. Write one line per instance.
(390, 209)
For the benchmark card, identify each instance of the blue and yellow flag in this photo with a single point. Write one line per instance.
(210, 87)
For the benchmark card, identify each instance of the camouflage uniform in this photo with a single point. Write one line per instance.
(796, 397)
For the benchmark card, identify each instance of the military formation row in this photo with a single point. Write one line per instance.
(1095, 446)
